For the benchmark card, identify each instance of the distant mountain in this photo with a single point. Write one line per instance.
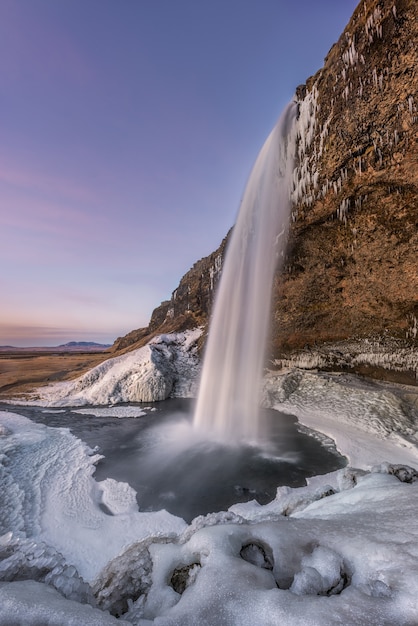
(84, 344)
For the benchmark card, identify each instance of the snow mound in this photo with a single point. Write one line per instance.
(370, 423)
(48, 495)
(166, 367)
(30, 603)
(347, 558)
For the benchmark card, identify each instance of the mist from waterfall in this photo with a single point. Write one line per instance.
(227, 406)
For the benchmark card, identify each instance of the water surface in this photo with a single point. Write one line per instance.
(162, 458)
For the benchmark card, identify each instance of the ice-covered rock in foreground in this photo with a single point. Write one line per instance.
(348, 558)
(167, 366)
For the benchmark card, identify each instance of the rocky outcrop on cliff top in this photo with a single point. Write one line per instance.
(351, 268)
(189, 305)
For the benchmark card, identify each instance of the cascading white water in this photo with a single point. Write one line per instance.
(228, 400)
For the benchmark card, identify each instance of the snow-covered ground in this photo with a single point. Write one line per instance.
(342, 550)
(370, 422)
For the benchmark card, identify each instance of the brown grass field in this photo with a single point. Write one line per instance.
(21, 372)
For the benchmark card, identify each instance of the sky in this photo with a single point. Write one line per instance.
(128, 129)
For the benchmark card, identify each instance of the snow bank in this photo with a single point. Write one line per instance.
(30, 603)
(346, 558)
(166, 366)
(369, 422)
(48, 494)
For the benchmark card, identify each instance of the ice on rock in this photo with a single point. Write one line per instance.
(22, 559)
(48, 494)
(370, 424)
(258, 554)
(183, 577)
(404, 473)
(118, 497)
(323, 574)
(166, 366)
(126, 579)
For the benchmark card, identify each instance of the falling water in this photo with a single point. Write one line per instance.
(228, 401)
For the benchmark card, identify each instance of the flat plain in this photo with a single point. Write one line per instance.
(22, 371)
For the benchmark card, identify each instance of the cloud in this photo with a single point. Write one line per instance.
(31, 180)
(62, 223)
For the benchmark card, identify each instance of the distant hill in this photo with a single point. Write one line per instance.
(71, 346)
(84, 344)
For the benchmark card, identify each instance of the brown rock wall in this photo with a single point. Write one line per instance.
(352, 259)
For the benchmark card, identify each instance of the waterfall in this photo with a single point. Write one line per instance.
(228, 400)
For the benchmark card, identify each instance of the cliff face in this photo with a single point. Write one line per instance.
(351, 268)
(352, 262)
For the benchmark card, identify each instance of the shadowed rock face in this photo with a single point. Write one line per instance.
(351, 267)
(352, 259)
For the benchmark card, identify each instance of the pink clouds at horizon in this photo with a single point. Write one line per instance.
(35, 336)
(32, 180)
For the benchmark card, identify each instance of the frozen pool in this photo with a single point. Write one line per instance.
(171, 468)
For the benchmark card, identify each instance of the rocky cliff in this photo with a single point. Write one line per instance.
(189, 306)
(352, 263)
(351, 268)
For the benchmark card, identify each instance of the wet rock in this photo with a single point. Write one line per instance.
(183, 577)
(258, 554)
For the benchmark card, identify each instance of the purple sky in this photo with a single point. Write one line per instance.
(128, 129)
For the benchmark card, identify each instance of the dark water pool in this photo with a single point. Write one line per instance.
(160, 457)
